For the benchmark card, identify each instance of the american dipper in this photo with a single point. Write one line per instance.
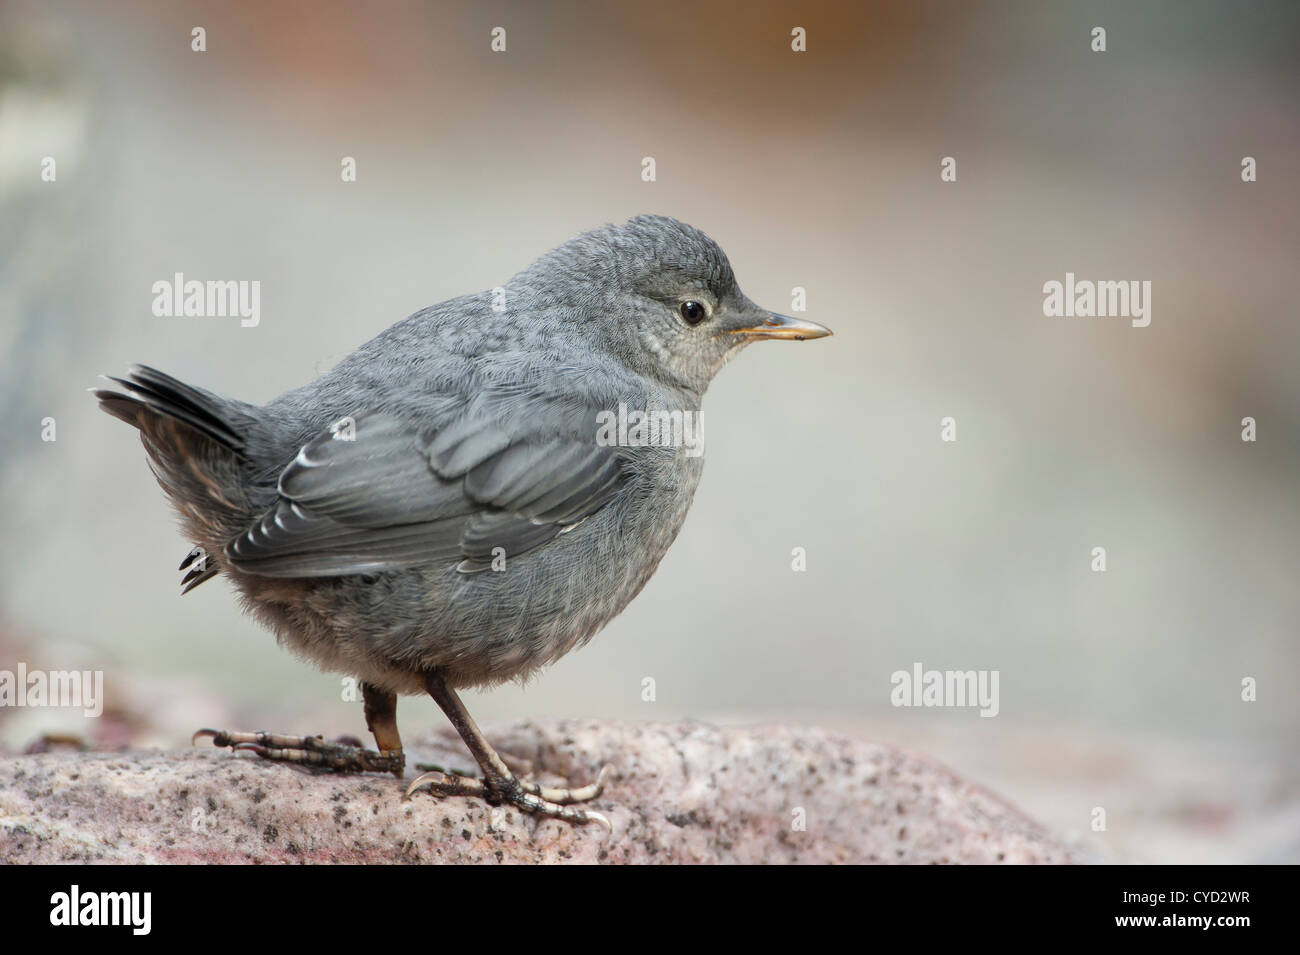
(467, 496)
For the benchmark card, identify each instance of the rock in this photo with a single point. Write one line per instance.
(679, 793)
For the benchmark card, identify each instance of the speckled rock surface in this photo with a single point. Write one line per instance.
(679, 793)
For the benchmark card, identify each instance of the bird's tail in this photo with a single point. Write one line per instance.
(196, 443)
(152, 393)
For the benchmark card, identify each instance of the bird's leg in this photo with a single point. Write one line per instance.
(499, 784)
(381, 717)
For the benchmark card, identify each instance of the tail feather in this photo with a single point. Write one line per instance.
(119, 406)
(162, 394)
(196, 443)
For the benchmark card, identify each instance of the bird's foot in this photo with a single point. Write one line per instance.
(523, 794)
(337, 756)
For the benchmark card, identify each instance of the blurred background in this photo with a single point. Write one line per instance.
(820, 170)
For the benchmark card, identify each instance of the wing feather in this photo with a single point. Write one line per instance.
(378, 495)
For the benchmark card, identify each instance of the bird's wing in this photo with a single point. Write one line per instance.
(377, 494)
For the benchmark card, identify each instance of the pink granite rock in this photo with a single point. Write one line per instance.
(679, 793)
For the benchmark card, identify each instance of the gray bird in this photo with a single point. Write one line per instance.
(469, 495)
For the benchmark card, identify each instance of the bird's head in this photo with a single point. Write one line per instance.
(660, 296)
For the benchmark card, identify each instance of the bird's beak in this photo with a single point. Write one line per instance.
(783, 326)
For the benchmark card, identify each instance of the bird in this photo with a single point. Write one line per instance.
(452, 506)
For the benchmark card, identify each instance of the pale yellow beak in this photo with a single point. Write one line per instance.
(783, 326)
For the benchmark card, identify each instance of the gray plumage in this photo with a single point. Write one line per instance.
(367, 544)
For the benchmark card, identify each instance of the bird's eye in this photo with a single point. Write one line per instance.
(694, 312)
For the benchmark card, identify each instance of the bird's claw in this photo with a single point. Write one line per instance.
(312, 751)
(524, 795)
